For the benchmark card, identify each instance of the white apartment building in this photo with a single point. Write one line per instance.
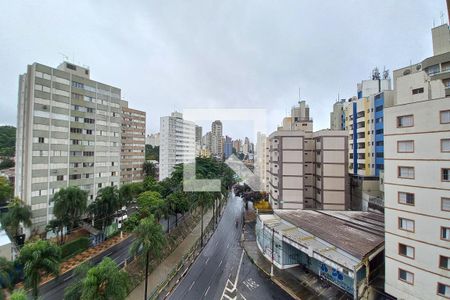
(152, 139)
(217, 139)
(177, 143)
(306, 169)
(417, 178)
(261, 156)
(68, 133)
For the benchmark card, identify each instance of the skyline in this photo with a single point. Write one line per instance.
(262, 57)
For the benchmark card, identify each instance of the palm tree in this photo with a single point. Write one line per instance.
(19, 295)
(75, 289)
(39, 259)
(17, 213)
(178, 204)
(150, 238)
(105, 205)
(105, 281)
(203, 199)
(7, 272)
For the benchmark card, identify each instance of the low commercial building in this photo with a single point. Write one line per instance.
(344, 248)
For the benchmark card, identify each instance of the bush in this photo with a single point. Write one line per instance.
(74, 247)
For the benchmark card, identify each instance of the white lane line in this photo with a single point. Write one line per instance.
(239, 268)
(220, 262)
(207, 291)
(228, 245)
(207, 261)
(192, 284)
(217, 243)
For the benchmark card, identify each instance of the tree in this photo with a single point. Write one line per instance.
(6, 191)
(6, 163)
(105, 205)
(131, 222)
(203, 199)
(150, 239)
(19, 295)
(17, 213)
(75, 289)
(178, 204)
(150, 169)
(7, 141)
(151, 152)
(39, 259)
(151, 203)
(7, 273)
(105, 281)
(69, 205)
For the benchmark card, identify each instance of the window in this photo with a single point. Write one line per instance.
(406, 198)
(417, 91)
(443, 290)
(445, 174)
(445, 145)
(405, 146)
(445, 233)
(406, 250)
(406, 172)
(406, 224)
(445, 204)
(60, 178)
(444, 262)
(405, 121)
(406, 276)
(41, 140)
(75, 130)
(445, 116)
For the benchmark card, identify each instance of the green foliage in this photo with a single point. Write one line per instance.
(149, 236)
(150, 184)
(131, 222)
(74, 247)
(6, 163)
(7, 141)
(17, 213)
(151, 153)
(75, 289)
(105, 281)
(6, 191)
(151, 203)
(39, 259)
(150, 169)
(7, 273)
(19, 294)
(105, 205)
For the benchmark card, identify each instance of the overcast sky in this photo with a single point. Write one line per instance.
(167, 55)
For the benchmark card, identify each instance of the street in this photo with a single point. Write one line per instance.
(223, 263)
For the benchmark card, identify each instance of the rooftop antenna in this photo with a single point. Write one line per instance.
(442, 18)
(65, 57)
(299, 94)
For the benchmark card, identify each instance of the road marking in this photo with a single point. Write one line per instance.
(207, 261)
(217, 243)
(207, 291)
(228, 245)
(220, 262)
(192, 284)
(239, 268)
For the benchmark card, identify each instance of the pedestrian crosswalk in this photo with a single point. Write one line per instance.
(230, 292)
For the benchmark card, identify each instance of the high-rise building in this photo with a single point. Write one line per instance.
(306, 169)
(337, 116)
(152, 139)
(133, 144)
(206, 142)
(198, 139)
(177, 143)
(417, 177)
(216, 139)
(68, 134)
(237, 145)
(261, 160)
(228, 147)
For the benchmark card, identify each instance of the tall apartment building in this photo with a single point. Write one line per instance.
(216, 139)
(261, 160)
(198, 139)
(337, 116)
(227, 147)
(417, 177)
(68, 133)
(306, 169)
(133, 144)
(177, 143)
(152, 139)
(237, 145)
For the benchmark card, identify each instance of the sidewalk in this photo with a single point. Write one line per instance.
(163, 270)
(294, 281)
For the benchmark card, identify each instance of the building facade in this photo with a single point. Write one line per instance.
(228, 147)
(177, 143)
(133, 144)
(152, 139)
(417, 177)
(217, 139)
(68, 134)
(261, 163)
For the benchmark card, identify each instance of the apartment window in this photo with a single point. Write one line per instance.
(406, 224)
(99, 185)
(406, 276)
(75, 176)
(406, 250)
(443, 290)
(445, 204)
(445, 174)
(406, 172)
(89, 131)
(41, 140)
(445, 233)
(444, 262)
(445, 116)
(405, 146)
(417, 91)
(445, 145)
(405, 121)
(60, 178)
(406, 198)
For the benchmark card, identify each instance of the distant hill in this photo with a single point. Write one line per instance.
(7, 140)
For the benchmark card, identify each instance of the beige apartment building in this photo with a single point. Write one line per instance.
(306, 169)
(417, 177)
(132, 156)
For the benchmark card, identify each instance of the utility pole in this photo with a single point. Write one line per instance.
(273, 241)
